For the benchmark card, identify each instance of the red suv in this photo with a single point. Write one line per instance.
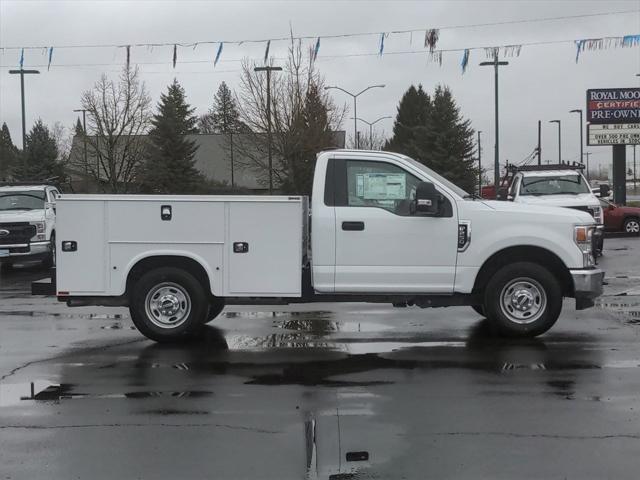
(620, 219)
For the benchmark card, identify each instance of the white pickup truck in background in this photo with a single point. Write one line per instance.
(27, 223)
(384, 228)
(561, 185)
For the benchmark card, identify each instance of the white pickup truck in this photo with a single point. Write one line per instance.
(27, 223)
(384, 228)
(561, 185)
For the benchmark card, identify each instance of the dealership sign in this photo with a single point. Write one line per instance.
(613, 116)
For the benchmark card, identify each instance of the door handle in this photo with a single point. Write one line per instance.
(353, 226)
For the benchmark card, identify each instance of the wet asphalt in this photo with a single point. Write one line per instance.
(324, 391)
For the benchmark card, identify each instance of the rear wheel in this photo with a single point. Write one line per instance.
(632, 226)
(168, 304)
(523, 300)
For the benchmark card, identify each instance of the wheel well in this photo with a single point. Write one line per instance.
(632, 216)
(523, 253)
(184, 263)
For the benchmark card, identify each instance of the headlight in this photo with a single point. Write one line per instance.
(582, 236)
(40, 232)
(597, 215)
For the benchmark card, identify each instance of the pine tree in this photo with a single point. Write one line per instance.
(79, 130)
(413, 111)
(8, 153)
(39, 162)
(445, 142)
(170, 167)
(223, 115)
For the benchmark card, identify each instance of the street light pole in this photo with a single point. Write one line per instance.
(479, 165)
(559, 140)
(588, 154)
(269, 70)
(355, 107)
(581, 136)
(539, 142)
(371, 124)
(496, 164)
(22, 72)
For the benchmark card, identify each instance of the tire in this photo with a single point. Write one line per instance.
(50, 261)
(184, 300)
(530, 283)
(479, 309)
(632, 226)
(215, 307)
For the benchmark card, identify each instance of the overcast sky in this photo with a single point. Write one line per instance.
(544, 82)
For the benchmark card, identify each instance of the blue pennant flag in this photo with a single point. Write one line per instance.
(316, 49)
(381, 44)
(50, 57)
(175, 55)
(266, 52)
(215, 62)
(465, 60)
(21, 58)
(128, 47)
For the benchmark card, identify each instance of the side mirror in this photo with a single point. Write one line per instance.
(428, 200)
(604, 190)
(502, 194)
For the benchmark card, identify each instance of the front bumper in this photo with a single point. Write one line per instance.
(36, 250)
(587, 286)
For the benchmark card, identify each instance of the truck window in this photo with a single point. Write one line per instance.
(22, 200)
(554, 185)
(381, 185)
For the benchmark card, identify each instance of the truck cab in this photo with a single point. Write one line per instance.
(383, 228)
(27, 223)
(560, 185)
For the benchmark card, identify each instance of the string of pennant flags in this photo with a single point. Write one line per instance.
(431, 40)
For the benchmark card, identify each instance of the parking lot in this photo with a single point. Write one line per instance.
(324, 391)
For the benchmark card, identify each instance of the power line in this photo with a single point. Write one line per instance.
(310, 37)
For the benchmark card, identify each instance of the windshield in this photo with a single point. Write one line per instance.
(27, 200)
(451, 186)
(554, 185)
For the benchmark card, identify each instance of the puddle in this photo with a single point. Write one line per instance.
(44, 391)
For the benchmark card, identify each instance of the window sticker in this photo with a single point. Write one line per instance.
(382, 186)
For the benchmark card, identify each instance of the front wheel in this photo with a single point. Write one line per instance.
(632, 226)
(168, 304)
(523, 299)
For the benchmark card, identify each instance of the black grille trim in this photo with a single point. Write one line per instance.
(19, 233)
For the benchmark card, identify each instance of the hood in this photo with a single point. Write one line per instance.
(543, 210)
(12, 216)
(580, 200)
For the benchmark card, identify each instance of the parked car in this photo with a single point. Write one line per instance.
(27, 223)
(620, 219)
(561, 185)
(384, 229)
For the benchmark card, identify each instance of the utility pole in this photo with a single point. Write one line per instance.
(269, 70)
(588, 154)
(634, 169)
(355, 107)
(559, 140)
(22, 72)
(84, 141)
(371, 124)
(496, 162)
(539, 142)
(479, 165)
(581, 134)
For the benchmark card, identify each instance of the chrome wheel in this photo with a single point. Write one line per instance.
(632, 226)
(523, 300)
(168, 305)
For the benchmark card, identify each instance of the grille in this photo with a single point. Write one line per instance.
(18, 233)
(589, 210)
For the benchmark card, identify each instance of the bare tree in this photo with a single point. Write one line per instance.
(63, 137)
(367, 142)
(303, 121)
(118, 115)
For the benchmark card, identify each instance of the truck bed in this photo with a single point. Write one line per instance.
(248, 245)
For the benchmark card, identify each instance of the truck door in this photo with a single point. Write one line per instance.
(380, 245)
